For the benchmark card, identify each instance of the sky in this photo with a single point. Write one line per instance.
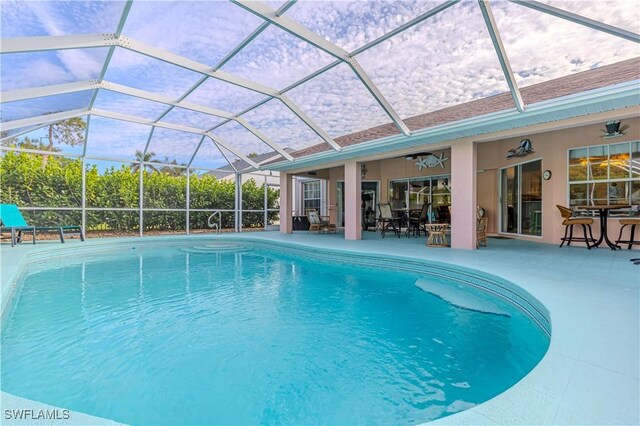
(443, 61)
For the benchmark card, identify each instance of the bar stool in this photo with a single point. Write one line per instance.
(536, 225)
(633, 222)
(568, 222)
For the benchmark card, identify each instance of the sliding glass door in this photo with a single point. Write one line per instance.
(412, 193)
(370, 198)
(521, 199)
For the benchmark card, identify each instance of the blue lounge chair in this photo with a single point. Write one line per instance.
(11, 220)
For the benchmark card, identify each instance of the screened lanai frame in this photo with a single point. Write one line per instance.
(228, 149)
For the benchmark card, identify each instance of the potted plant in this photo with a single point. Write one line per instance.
(613, 127)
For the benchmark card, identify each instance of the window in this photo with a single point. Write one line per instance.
(414, 192)
(605, 174)
(311, 195)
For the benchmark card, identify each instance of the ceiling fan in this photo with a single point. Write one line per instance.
(410, 157)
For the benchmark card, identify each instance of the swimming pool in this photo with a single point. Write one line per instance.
(246, 334)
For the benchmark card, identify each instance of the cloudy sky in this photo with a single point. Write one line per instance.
(446, 60)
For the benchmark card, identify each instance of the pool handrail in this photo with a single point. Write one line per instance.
(217, 226)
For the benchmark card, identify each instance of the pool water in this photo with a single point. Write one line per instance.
(254, 336)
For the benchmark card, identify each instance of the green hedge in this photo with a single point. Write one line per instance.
(33, 180)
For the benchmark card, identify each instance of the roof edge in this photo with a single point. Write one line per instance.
(475, 126)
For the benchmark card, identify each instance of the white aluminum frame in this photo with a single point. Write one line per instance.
(578, 19)
(187, 210)
(492, 27)
(22, 44)
(270, 17)
(287, 24)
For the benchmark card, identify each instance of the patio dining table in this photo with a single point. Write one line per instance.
(404, 215)
(603, 211)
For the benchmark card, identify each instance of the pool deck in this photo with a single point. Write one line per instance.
(591, 373)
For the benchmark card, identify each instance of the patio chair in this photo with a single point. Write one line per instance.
(481, 227)
(12, 220)
(632, 222)
(481, 231)
(443, 214)
(320, 224)
(417, 222)
(386, 219)
(569, 221)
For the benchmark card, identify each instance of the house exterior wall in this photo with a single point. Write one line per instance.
(384, 171)
(549, 146)
(552, 147)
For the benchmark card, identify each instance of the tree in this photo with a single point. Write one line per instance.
(173, 171)
(141, 157)
(27, 143)
(68, 132)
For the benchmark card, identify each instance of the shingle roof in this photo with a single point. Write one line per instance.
(225, 171)
(608, 75)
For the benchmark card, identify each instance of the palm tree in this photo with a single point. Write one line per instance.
(172, 171)
(141, 157)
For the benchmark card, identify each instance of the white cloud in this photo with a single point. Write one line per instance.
(40, 18)
(173, 145)
(192, 118)
(112, 101)
(542, 47)
(142, 72)
(82, 64)
(204, 31)
(240, 138)
(282, 126)
(218, 94)
(276, 59)
(114, 138)
(339, 102)
(209, 156)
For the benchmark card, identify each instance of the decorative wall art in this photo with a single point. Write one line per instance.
(524, 149)
(431, 161)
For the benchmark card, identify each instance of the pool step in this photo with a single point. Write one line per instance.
(215, 248)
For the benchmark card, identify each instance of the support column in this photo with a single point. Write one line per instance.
(238, 206)
(84, 195)
(463, 195)
(286, 203)
(352, 201)
(141, 198)
(188, 227)
(265, 204)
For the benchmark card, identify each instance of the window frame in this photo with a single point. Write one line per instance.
(306, 198)
(630, 181)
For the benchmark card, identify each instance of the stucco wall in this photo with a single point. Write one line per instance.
(384, 171)
(552, 148)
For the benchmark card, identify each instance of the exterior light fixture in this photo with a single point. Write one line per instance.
(410, 157)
